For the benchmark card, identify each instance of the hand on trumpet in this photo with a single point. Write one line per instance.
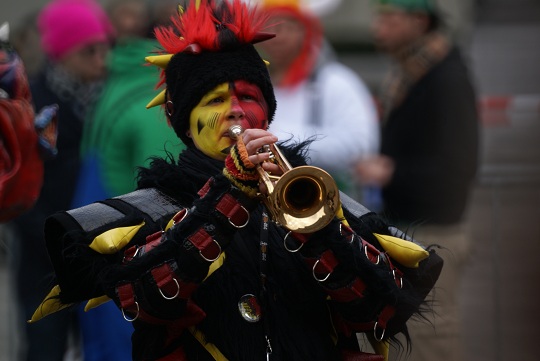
(250, 159)
(256, 141)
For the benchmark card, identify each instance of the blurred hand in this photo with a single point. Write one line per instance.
(377, 170)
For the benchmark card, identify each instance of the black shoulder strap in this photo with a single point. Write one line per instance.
(67, 234)
(81, 225)
(352, 206)
(150, 204)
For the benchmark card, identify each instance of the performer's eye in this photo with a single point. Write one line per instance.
(216, 100)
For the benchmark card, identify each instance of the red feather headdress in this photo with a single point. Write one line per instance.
(200, 28)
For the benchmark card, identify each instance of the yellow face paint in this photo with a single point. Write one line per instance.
(227, 104)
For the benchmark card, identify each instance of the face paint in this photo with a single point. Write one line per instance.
(227, 104)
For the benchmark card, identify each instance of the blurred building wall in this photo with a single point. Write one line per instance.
(349, 24)
(15, 12)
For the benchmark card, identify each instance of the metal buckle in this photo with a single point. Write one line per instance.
(399, 280)
(379, 339)
(367, 256)
(243, 225)
(291, 250)
(211, 260)
(126, 259)
(186, 211)
(314, 276)
(175, 295)
(341, 233)
(134, 318)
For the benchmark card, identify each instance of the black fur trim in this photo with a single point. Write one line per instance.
(183, 179)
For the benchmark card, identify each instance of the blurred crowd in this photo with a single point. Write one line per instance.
(409, 152)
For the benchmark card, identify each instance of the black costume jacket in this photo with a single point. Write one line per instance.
(161, 280)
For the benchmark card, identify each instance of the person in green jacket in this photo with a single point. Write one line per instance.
(120, 135)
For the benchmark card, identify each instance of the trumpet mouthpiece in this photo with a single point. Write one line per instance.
(235, 131)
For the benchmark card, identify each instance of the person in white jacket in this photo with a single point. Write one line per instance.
(317, 96)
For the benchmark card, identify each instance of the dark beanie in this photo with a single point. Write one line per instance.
(191, 76)
(207, 45)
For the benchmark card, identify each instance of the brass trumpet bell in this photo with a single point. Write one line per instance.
(304, 199)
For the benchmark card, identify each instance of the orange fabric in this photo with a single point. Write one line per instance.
(21, 168)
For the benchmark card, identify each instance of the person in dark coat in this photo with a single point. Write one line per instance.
(429, 152)
(75, 37)
(208, 263)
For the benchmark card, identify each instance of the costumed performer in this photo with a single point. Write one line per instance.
(195, 258)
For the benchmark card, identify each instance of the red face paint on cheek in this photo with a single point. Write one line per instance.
(254, 105)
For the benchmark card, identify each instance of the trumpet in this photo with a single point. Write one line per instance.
(303, 199)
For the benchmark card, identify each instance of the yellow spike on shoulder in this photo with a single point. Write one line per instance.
(95, 302)
(114, 239)
(405, 252)
(50, 304)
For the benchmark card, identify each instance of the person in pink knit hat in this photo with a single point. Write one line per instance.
(76, 37)
(76, 33)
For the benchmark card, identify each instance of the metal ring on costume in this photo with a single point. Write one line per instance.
(379, 339)
(211, 260)
(169, 112)
(175, 295)
(340, 232)
(186, 211)
(367, 256)
(314, 276)
(134, 318)
(285, 244)
(124, 259)
(400, 278)
(243, 225)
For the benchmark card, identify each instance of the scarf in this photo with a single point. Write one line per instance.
(413, 63)
(80, 96)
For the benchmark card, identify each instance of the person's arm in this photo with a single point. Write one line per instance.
(375, 280)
